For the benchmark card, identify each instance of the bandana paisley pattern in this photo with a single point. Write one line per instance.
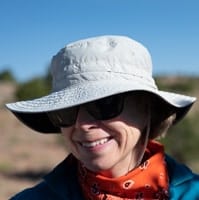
(148, 181)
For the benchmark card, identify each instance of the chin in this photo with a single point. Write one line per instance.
(98, 168)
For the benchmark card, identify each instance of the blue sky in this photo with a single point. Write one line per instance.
(32, 31)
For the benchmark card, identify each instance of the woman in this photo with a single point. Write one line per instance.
(109, 110)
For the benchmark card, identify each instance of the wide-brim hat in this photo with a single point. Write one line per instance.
(94, 68)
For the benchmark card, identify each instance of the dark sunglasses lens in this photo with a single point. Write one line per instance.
(63, 118)
(106, 108)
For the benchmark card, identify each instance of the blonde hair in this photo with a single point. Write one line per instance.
(163, 116)
(160, 129)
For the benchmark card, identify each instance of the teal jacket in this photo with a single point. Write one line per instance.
(62, 183)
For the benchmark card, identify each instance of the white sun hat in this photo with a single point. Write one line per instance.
(93, 68)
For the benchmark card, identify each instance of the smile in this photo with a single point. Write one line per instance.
(95, 143)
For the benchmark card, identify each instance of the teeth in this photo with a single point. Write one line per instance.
(93, 144)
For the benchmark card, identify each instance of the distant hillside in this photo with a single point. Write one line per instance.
(184, 85)
(7, 92)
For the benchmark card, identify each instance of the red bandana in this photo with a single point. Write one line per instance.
(148, 181)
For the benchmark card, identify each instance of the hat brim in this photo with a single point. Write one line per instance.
(33, 113)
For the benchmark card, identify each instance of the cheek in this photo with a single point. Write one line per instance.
(67, 134)
(124, 133)
(134, 135)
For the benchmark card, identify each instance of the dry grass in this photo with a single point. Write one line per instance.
(25, 155)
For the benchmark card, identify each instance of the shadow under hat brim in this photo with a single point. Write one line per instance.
(33, 113)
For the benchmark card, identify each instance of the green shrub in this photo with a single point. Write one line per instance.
(34, 88)
(7, 75)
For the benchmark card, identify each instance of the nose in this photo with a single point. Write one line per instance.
(84, 120)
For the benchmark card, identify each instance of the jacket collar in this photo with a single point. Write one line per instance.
(178, 173)
(63, 179)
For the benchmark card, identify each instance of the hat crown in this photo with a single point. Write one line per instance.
(91, 69)
(100, 58)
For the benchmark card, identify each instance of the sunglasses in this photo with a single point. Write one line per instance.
(102, 109)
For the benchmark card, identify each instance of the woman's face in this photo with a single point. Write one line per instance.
(110, 147)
